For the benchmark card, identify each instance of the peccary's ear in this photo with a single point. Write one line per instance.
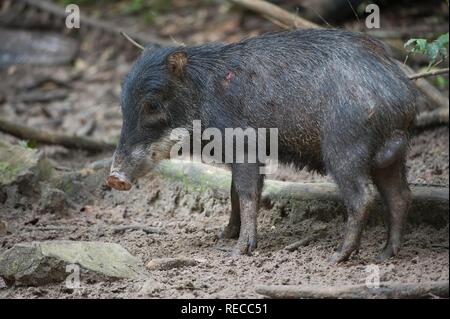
(176, 62)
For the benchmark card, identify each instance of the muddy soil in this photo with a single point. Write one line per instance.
(192, 220)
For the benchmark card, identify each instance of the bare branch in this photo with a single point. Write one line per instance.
(436, 117)
(131, 40)
(273, 12)
(428, 74)
(53, 138)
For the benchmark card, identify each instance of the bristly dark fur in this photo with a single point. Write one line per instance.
(326, 90)
(338, 100)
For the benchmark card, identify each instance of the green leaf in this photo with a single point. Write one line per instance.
(441, 82)
(417, 45)
(443, 40)
(432, 51)
(23, 143)
(28, 144)
(443, 52)
(410, 42)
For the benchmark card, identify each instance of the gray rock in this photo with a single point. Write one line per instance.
(16, 162)
(26, 175)
(40, 263)
(151, 288)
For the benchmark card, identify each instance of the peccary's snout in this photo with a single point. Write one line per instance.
(118, 181)
(128, 164)
(120, 175)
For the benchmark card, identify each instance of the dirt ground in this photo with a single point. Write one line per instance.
(193, 220)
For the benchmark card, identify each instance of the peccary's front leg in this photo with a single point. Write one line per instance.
(232, 230)
(248, 185)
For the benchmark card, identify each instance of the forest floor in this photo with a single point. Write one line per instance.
(192, 220)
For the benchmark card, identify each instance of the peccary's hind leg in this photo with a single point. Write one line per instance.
(248, 185)
(231, 231)
(393, 187)
(358, 198)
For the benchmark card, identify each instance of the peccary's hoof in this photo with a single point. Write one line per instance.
(338, 257)
(244, 247)
(230, 232)
(388, 252)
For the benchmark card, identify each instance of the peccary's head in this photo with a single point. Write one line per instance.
(153, 101)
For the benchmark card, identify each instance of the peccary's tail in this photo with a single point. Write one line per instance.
(392, 150)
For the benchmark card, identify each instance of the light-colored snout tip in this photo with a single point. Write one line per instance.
(118, 181)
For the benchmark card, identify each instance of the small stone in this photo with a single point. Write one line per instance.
(151, 288)
(171, 263)
(88, 209)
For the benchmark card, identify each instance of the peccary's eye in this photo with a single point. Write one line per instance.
(149, 107)
(150, 114)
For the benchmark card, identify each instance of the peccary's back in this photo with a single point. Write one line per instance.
(318, 71)
(312, 84)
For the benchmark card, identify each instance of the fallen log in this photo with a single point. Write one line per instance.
(86, 21)
(385, 291)
(289, 21)
(435, 117)
(53, 138)
(321, 200)
(272, 11)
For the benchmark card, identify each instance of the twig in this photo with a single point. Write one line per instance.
(385, 291)
(428, 74)
(131, 40)
(305, 241)
(49, 228)
(433, 94)
(170, 263)
(53, 138)
(88, 128)
(274, 12)
(440, 246)
(145, 229)
(43, 96)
